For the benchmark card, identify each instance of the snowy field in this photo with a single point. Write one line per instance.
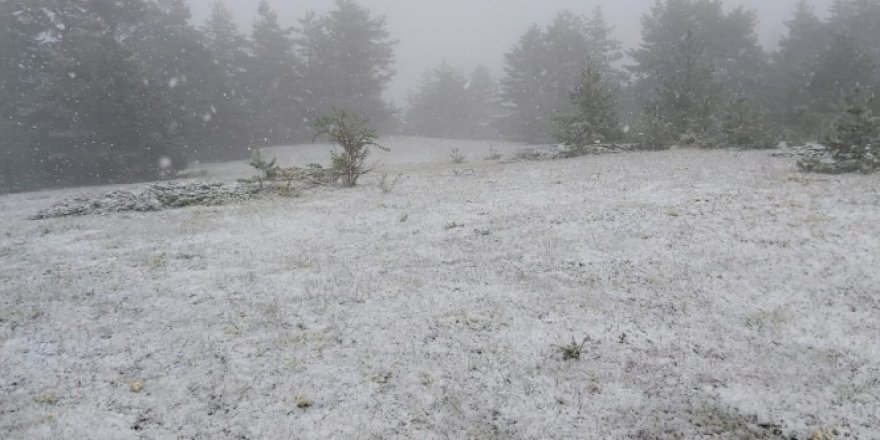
(721, 294)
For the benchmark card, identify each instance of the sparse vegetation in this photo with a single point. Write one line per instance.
(46, 399)
(573, 350)
(388, 183)
(493, 154)
(268, 169)
(351, 133)
(457, 156)
(453, 225)
(303, 402)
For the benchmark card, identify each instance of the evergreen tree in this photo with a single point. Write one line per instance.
(232, 123)
(567, 53)
(101, 121)
(605, 51)
(793, 66)
(24, 72)
(691, 54)
(594, 118)
(543, 69)
(743, 125)
(857, 130)
(484, 105)
(275, 82)
(857, 19)
(171, 54)
(440, 108)
(524, 88)
(843, 66)
(349, 63)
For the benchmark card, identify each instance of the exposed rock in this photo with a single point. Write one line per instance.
(561, 151)
(810, 151)
(155, 197)
(839, 167)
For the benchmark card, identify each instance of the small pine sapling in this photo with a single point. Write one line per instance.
(857, 129)
(595, 118)
(268, 169)
(350, 132)
(742, 125)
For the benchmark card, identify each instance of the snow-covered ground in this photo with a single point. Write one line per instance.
(720, 293)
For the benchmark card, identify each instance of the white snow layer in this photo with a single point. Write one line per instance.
(723, 295)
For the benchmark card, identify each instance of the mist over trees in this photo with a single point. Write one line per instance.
(95, 91)
(543, 69)
(450, 105)
(111, 91)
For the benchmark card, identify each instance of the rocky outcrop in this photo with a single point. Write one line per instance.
(156, 197)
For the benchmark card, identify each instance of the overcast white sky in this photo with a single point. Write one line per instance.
(472, 32)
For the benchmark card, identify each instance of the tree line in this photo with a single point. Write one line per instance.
(95, 91)
(699, 76)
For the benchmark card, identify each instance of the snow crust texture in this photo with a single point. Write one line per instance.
(721, 294)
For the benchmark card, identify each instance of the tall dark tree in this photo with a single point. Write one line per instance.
(524, 88)
(231, 128)
(594, 118)
(107, 122)
(275, 82)
(799, 52)
(691, 54)
(349, 61)
(605, 51)
(843, 66)
(542, 70)
(440, 107)
(484, 104)
(173, 57)
(25, 60)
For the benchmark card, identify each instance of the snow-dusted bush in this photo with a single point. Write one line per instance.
(351, 133)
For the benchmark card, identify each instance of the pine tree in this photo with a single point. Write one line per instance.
(350, 61)
(841, 67)
(857, 130)
(484, 105)
(743, 125)
(793, 67)
(172, 56)
(604, 50)
(692, 53)
(857, 19)
(524, 88)
(103, 122)
(232, 123)
(275, 81)
(440, 108)
(594, 118)
(23, 74)
(543, 69)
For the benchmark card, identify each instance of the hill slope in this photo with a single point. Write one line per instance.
(719, 292)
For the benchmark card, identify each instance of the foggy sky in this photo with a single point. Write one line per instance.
(468, 32)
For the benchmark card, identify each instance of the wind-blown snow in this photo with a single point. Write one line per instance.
(721, 292)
